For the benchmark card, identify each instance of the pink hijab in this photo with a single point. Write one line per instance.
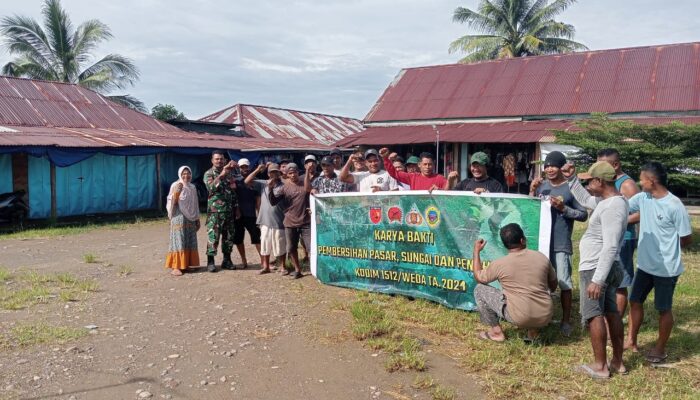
(188, 202)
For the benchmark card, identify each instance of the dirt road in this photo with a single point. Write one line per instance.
(229, 335)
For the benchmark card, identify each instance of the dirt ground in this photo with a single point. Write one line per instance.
(229, 335)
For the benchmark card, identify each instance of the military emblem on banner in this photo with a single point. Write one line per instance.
(432, 216)
(375, 214)
(395, 215)
(414, 216)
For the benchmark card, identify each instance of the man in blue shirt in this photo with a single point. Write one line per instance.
(664, 227)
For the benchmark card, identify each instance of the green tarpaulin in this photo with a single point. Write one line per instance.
(415, 243)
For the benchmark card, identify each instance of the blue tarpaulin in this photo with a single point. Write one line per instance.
(141, 182)
(39, 187)
(95, 185)
(5, 173)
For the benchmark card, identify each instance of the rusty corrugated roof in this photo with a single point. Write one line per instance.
(291, 126)
(642, 79)
(42, 113)
(490, 132)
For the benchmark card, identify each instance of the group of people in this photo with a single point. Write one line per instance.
(606, 267)
(275, 212)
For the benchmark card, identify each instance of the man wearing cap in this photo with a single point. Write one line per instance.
(248, 202)
(373, 180)
(310, 160)
(412, 164)
(628, 187)
(297, 219)
(222, 209)
(426, 179)
(480, 182)
(600, 272)
(565, 210)
(663, 231)
(270, 218)
(327, 181)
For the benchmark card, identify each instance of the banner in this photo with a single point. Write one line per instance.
(415, 243)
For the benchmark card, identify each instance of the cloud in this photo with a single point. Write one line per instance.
(333, 56)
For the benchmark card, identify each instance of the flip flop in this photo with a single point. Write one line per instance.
(656, 359)
(484, 335)
(264, 271)
(585, 369)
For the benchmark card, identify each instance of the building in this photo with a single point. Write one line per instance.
(292, 133)
(76, 153)
(509, 106)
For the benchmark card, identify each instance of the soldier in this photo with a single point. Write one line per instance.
(222, 208)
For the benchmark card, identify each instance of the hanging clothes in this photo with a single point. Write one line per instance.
(509, 169)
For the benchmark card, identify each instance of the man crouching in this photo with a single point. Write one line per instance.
(527, 278)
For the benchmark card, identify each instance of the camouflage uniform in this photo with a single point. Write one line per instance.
(221, 208)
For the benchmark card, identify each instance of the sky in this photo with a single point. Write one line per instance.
(327, 56)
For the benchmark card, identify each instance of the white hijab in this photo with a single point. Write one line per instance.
(188, 202)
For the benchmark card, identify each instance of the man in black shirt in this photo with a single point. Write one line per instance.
(480, 182)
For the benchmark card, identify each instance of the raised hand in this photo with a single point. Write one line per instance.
(479, 245)
(568, 170)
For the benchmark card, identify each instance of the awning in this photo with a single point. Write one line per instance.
(494, 132)
(480, 132)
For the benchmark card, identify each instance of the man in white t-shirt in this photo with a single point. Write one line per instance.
(373, 180)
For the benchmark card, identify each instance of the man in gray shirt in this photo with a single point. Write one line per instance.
(565, 210)
(599, 269)
(272, 240)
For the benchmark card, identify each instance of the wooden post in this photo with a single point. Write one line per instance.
(158, 183)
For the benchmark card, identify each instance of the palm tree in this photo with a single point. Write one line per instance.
(57, 53)
(514, 28)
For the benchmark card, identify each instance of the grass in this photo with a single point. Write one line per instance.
(90, 258)
(516, 370)
(443, 393)
(373, 325)
(27, 288)
(52, 231)
(126, 270)
(41, 333)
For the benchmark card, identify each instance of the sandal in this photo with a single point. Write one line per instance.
(176, 272)
(264, 271)
(656, 359)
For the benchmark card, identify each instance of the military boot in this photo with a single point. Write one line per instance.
(227, 263)
(211, 267)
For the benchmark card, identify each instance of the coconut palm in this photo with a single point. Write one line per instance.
(514, 28)
(56, 52)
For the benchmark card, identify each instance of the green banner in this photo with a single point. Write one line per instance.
(416, 243)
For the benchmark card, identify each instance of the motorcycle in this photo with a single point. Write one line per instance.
(13, 208)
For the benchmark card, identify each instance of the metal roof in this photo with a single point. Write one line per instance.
(642, 79)
(292, 126)
(494, 132)
(43, 113)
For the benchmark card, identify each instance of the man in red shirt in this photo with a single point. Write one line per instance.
(426, 179)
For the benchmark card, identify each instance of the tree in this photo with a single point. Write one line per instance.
(675, 145)
(167, 112)
(56, 52)
(514, 28)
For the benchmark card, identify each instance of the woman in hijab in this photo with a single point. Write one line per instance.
(183, 211)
